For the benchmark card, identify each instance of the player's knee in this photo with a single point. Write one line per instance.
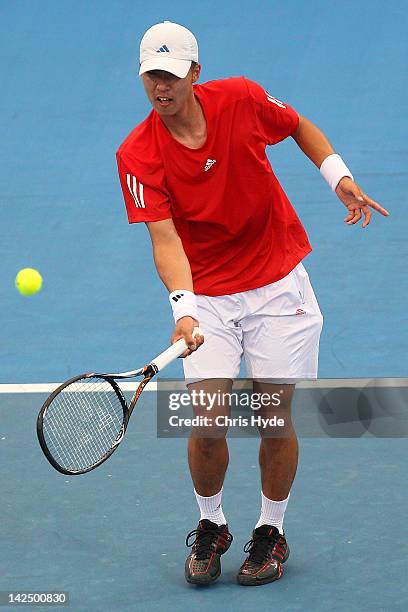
(207, 446)
(274, 444)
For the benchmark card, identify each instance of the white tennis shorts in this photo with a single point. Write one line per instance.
(275, 329)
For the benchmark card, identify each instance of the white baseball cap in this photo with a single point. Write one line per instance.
(168, 46)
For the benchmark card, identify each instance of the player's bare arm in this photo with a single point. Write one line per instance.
(317, 147)
(174, 270)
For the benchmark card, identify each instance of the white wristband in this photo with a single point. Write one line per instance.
(184, 304)
(333, 169)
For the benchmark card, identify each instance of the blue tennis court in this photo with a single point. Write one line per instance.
(114, 538)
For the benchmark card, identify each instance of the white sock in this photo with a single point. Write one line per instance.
(272, 512)
(210, 508)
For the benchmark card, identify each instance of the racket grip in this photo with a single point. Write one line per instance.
(174, 351)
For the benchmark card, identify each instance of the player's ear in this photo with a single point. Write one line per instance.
(196, 72)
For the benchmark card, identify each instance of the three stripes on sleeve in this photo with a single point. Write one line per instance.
(136, 189)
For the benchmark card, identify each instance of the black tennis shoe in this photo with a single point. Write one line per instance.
(203, 564)
(267, 551)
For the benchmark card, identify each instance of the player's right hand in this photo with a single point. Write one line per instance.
(184, 329)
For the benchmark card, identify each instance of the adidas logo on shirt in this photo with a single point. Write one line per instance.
(208, 164)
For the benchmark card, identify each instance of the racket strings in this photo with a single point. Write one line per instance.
(83, 422)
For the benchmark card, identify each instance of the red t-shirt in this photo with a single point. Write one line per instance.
(238, 228)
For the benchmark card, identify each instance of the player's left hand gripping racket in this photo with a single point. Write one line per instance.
(83, 422)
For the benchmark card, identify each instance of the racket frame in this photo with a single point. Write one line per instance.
(148, 371)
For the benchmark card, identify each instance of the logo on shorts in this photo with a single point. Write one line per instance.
(208, 164)
(300, 311)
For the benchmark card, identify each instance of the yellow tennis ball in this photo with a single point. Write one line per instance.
(28, 281)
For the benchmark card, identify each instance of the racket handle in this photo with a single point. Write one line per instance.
(174, 351)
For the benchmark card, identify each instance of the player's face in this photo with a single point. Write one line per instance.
(167, 93)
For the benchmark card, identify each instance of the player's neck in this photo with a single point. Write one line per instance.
(188, 126)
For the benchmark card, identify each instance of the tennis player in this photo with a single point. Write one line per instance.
(229, 246)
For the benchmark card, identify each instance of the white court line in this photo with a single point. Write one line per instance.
(322, 383)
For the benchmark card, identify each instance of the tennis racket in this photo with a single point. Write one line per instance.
(84, 420)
